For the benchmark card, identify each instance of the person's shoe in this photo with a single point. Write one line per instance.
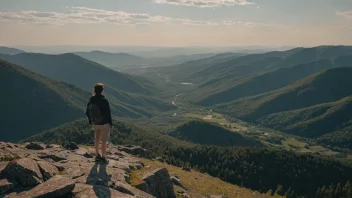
(104, 160)
(98, 158)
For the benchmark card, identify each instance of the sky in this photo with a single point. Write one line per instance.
(176, 22)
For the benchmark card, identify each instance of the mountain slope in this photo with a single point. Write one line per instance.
(206, 133)
(255, 63)
(32, 103)
(10, 51)
(261, 83)
(341, 138)
(182, 71)
(328, 86)
(112, 60)
(78, 71)
(312, 121)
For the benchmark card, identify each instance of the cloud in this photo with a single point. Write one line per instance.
(347, 14)
(205, 3)
(84, 15)
(251, 24)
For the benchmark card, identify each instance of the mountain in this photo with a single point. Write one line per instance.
(327, 86)
(259, 169)
(299, 107)
(39, 103)
(341, 138)
(261, 83)
(79, 71)
(10, 51)
(229, 70)
(313, 121)
(112, 60)
(32, 103)
(201, 132)
(129, 62)
(180, 72)
(255, 63)
(128, 93)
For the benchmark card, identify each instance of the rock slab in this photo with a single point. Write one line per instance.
(25, 171)
(48, 170)
(158, 184)
(35, 146)
(54, 187)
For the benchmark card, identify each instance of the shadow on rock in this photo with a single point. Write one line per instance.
(99, 178)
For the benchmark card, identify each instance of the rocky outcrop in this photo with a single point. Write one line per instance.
(35, 146)
(58, 172)
(24, 171)
(134, 150)
(54, 187)
(158, 183)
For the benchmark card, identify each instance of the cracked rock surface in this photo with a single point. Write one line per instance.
(40, 170)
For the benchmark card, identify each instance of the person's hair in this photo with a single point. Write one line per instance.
(98, 88)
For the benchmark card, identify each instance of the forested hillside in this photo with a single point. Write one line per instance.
(78, 71)
(299, 108)
(202, 132)
(32, 103)
(261, 83)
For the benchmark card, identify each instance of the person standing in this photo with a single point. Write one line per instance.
(99, 115)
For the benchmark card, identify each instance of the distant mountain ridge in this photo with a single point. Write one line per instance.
(81, 72)
(112, 60)
(126, 61)
(10, 51)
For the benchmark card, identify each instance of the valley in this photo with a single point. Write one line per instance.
(241, 109)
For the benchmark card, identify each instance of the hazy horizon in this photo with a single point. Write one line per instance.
(176, 23)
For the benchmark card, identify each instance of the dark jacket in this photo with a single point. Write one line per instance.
(104, 107)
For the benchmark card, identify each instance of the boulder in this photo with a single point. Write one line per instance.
(54, 187)
(5, 186)
(177, 182)
(158, 184)
(71, 146)
(25, 171)
(35, 146)
(134, 150)
(128, 189)
(48, 170)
